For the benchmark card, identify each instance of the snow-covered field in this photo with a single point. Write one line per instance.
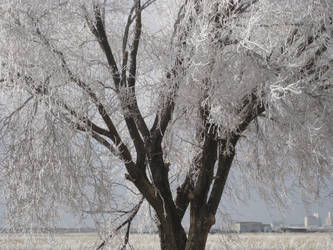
(288, 241)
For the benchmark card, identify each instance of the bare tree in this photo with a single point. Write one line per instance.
(172, 94)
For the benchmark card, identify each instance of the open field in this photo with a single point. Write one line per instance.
(76, 241)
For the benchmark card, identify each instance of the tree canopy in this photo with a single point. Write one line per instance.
(169, 95)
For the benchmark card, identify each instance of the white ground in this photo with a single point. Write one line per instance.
(288, 241)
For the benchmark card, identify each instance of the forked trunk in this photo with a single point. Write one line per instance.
(173, 237)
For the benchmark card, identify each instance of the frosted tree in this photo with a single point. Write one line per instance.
(170, 94)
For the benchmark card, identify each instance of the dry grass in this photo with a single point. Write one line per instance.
(287, 241)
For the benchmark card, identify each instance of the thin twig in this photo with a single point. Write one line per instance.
(127, 222)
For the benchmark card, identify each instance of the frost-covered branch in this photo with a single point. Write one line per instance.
(127, 222)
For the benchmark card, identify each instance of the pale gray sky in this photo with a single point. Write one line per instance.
(257, 210)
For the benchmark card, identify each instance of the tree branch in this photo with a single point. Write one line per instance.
(251, 107)
(98, 29)
(100, 107)
(132, 75)
(6, 120)
(128, 222)
(163, 118)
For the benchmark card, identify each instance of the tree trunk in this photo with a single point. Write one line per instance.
(172, 235)
(200, 224)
